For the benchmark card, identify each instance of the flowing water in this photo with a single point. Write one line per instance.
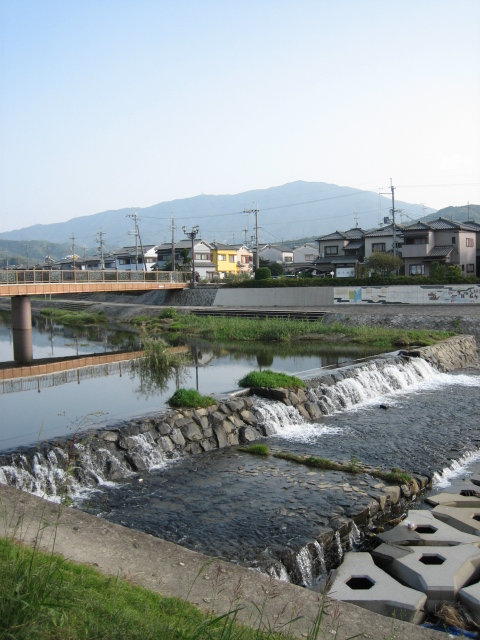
(268, 513)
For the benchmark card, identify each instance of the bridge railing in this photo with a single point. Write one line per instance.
(78, 275)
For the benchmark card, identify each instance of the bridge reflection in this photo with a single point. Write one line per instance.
(47, 374)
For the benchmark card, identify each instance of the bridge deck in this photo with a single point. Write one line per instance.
(31, 283)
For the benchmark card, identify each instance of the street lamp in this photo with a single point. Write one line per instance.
(192, 235)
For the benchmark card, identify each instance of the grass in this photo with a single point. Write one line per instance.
(74, 318)
(395, 476)
(158, 365)
(271, 380)
(281, 330)
(256, 450)
(46, 597)
(190, 398)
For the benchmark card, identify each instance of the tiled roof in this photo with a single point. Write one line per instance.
(385, 231)
(441, 224)
(440, 252)
(352, 234)
(354, 244)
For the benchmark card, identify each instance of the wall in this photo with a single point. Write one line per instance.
(275, 297)
(409, 294)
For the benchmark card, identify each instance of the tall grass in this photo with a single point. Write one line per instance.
(281, 330)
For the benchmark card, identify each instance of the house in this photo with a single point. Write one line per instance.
(95, 262)
(305, 253)
(475, 226)
(276, 253)
(340, 253)
(381, 239)
(225, 258)
(244, 258)
(204, 265)
(132, 259)
(443, 241)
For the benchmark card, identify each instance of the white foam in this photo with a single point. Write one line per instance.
(456, 469)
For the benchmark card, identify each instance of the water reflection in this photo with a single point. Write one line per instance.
(212, 369)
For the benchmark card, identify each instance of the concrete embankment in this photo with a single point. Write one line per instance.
(172, 570)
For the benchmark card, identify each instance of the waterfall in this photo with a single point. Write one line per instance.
(354, 537)
(275, 415)
(337, 545)
(59, 473)
(369, 382)
(457, 468)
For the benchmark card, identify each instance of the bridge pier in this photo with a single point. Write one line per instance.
(22, 329)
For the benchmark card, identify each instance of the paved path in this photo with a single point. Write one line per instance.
(175, 571)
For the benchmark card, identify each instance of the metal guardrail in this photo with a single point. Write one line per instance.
(59, 277)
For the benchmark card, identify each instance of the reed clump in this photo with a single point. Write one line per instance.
(268, 379)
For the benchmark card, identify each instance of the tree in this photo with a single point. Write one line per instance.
(383, 264)
(262, 273)
(454, 271)
(276, 268)
(185, 256)
(437, 271)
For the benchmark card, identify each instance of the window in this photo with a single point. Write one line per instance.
(453, 240)
(231, 258)
(221, 257)
(463, 267)
(202, 256)
(470, 242)
(288, 259)
(309, 257)
(470, 268)
(417, 240)
(378, 246)
(245, 259)
(331, 251)
(417, 269)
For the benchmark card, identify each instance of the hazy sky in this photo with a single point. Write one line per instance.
(107, 104)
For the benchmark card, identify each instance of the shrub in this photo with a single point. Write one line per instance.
(263, 273)
(270, 380)
(169, 312)
(256, 449)
(190, 398)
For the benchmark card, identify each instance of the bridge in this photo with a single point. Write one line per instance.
(20, 285)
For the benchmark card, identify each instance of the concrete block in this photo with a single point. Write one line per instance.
(360, 582)
(470, 599)
(421, 528)
(465, 519)
(440, 572)
(454, 500)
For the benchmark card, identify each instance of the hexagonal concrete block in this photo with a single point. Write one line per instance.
(422, 528)
(440, 572)
(457, 500)
(470, 598)
(464, 519)
(360, 582)
(475, 479)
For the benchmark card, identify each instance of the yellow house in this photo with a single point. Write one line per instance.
(224, 256)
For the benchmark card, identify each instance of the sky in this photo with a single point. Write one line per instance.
(106, 104)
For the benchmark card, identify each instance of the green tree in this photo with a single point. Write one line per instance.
(185, 257)
(383, 264)
(437, 271)
(263, 273)
(454, 271)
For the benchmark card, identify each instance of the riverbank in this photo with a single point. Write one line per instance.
(209, 584)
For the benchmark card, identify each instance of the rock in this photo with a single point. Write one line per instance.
(191, 432)
(247, 435)
(177, 437)
(248, 417)
(221, 436)
(109, 436)
(166, 444)
(136, 461)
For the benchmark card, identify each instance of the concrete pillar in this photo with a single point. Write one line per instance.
(22, 329)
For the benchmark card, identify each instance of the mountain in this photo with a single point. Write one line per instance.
(294, 210)
(459, 214)
(14, 252)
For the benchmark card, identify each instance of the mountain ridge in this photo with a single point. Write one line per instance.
(297, 208)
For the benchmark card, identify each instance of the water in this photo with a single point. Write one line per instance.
(44, 412)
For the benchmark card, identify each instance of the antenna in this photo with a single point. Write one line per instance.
(255, 211)
(355, 217)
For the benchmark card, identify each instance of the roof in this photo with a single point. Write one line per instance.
(223, 247)
(352, 234)
(337, 260)
(182, 244)
(354, 244)
(382, 232)
(440, 252)
(440, 224)
(277, 247)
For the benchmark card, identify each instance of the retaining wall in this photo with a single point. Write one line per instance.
(454, 353)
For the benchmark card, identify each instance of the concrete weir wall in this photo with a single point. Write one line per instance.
(454, 353)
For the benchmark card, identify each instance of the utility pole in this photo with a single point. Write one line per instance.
(84, 251)
(392, 189)
(192, 235)
(26, 249)
(173, 243)
(255, 211)
(245, 232)
(73, 250)
(101, 244)
(135, 217)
